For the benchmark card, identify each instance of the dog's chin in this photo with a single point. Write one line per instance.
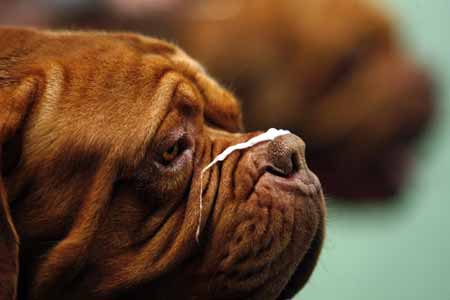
(277, 241)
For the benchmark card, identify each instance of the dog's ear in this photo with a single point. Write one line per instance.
(16, 96)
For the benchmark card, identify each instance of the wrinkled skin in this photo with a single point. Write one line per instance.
(103, 138)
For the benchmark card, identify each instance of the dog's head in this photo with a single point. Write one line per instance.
(331, 71)
(103, 138)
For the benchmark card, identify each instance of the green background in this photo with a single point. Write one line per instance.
(402, 250)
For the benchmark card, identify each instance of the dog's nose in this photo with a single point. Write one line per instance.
(287, 155)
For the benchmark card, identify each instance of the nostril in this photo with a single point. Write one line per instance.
(276, 171)
(285, 167)
(295, 161)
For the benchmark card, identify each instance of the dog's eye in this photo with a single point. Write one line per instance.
(170, 154)
(172, 148)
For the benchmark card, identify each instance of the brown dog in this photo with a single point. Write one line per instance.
(102, 138)
(330, 70)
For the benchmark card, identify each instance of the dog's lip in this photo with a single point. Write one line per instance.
(307, 185)
(306, 266)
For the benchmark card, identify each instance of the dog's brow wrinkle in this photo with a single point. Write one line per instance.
(53, 90)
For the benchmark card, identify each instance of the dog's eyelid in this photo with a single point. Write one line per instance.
(178, 136)
(185, 100)
(188, 106)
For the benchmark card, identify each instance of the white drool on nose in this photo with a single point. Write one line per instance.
(269, 135)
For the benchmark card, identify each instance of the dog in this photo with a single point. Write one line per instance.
(103, 137)
(331, 71)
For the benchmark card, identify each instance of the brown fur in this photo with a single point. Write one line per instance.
(84, 119)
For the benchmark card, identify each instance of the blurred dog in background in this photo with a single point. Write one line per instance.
(331, 71)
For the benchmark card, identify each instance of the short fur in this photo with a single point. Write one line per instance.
(91, 210)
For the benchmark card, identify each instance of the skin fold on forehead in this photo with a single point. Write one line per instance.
(151, 68)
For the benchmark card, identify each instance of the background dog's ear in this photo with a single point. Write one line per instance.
(16, 96)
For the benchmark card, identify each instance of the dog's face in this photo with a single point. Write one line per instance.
(329, 70)
(103, 138)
